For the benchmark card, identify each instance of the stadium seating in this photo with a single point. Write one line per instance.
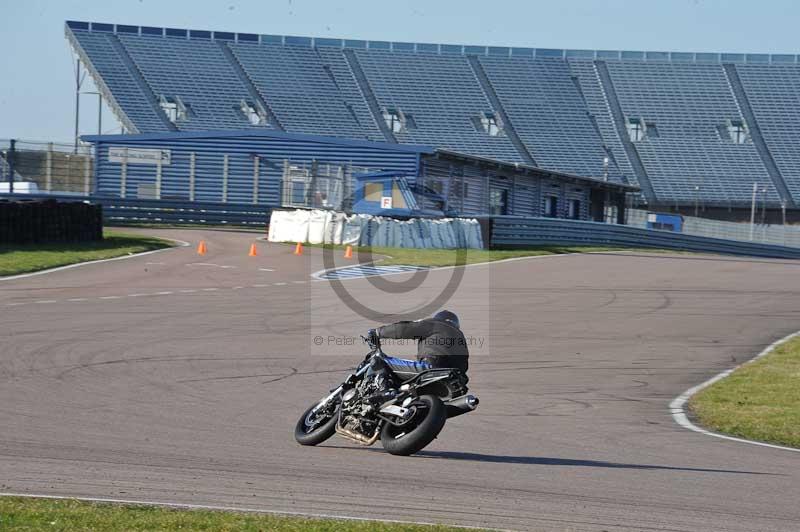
(598, 107)
(774, 95)
(293, 80)
(443, 97)
(688, 103)
(195, 70)
(549, 114)
(105, 60)
(563, 110)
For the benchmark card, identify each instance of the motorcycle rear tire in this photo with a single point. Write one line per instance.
(399, 443)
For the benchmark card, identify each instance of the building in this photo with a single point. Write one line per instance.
(278, 169)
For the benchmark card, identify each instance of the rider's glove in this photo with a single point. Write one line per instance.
(372, 336)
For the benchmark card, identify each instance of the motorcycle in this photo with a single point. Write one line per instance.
(406, 419)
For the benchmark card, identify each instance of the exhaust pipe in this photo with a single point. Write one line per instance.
(461, 405)
(355, 436)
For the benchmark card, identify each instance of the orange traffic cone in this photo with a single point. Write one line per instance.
(348, 252)
(253, 252)
(298, 249)
(201, 249)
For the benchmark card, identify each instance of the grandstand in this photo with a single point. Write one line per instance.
(686, 128)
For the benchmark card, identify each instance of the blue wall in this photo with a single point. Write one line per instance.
(209, 149)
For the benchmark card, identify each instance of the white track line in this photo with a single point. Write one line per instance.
(189, 506)
(318, 274)
(678, 410)
(223, 266)
(180, 243)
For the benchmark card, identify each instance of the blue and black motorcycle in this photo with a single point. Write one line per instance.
(405, 409)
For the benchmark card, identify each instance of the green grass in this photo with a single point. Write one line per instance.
(759, 401)
(450, 257)
(16, 259)
(22, 513)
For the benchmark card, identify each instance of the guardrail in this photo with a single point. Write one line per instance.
(513, 232)
(165, 211)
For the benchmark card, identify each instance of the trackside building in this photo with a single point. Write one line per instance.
(279, 169)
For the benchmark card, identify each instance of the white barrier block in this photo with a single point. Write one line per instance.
(317, 221)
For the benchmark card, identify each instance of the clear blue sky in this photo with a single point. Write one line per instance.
(36, 80)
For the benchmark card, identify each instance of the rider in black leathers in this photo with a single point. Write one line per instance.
(440, 344)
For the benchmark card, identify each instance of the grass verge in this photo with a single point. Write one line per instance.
(759, 401)
(23, 513)
(17, 259)
(450, 257)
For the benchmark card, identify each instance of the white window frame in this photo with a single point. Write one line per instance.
(737, 130)
(491, 124)
(637, 129)
(175, 109)
(394, 120)
(170, 108)
(253, 113)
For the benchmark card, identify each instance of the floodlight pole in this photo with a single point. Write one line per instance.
(753, 211)
(78, 82)
(99, 113)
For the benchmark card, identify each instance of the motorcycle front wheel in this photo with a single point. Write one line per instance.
(314, 428)
(423, 427)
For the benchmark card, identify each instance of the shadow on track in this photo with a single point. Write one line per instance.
(547, 461)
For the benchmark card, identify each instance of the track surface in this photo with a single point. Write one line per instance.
(164, 391)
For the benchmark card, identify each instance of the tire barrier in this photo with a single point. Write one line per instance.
(42, 221)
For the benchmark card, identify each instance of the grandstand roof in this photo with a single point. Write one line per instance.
(223, 133)
(463, 49)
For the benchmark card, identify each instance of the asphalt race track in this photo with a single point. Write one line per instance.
(178, 378)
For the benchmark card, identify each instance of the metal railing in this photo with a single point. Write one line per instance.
(164, 211)
(780, 235)
(511, 232)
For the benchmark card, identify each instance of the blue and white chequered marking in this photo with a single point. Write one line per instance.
(367, 270)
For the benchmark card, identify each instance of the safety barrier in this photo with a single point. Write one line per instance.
(167, 211)
(513, 232)
(42, 221)
(328, 227)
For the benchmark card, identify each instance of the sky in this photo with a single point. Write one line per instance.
(37, 87)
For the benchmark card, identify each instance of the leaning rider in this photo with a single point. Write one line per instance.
(440, 344)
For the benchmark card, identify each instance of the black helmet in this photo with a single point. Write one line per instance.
(449, 317)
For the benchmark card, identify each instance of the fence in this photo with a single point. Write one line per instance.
(781, 235)
(511, 232)
(46, 167)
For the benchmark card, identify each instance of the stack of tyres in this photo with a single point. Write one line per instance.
(44, 221)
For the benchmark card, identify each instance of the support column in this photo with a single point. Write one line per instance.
(158, 180)
(192, 157)
(48, 170)
(620, 208)
(256, 166)
(123, 174)
(87, 176)
(225, 178)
